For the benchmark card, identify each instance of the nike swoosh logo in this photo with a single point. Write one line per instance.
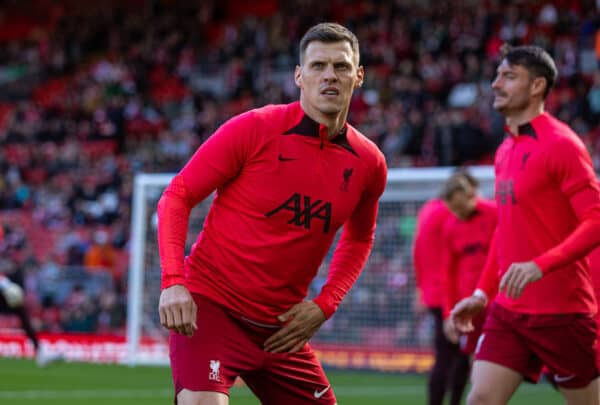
(319, 394)
(285, 159)
(561, 379)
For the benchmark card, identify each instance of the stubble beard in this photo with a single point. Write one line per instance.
(512, 106)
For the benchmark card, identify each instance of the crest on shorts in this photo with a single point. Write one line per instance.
(215, 365)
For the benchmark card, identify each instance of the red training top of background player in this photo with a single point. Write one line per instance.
(546, 187)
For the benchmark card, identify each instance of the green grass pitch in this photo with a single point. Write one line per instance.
(21, 382)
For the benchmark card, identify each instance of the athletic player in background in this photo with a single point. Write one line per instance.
(12, 302)
(466, 235)
(427, 261)
(548, 221)
(427, 265)
(287, 178)
(12, 293)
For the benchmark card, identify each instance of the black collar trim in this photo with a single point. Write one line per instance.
(342, 140)
(309, 127)
(306, 127)
(527, 130)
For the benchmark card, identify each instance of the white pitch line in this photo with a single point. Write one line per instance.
(110, 393)
(387, 391)
(372, 391)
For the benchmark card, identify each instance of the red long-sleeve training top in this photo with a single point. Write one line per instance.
(282, 191)
(549, 212)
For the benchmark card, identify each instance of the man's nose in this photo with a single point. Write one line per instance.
(329, 73)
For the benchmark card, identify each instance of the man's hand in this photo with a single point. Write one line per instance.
(518, 276)
(13, 293)
(303, 321)
(178, 310)
(462, 314)
(450, 331)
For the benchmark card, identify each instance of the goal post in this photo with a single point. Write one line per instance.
(145, 188)
(376, 314)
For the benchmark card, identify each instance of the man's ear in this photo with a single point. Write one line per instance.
(298, 76)
(360, 75)
(538, 86)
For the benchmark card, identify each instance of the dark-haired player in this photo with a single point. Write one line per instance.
(548, 221)
(287, 177)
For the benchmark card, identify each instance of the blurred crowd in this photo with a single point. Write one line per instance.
(91, 94)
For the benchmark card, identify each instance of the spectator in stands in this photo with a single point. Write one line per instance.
(48, 277)
(111, 313)
(79, 314)
(100, 254)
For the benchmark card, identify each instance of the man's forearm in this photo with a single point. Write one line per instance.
(173, 218)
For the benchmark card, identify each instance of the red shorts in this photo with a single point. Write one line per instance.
(226, 346)
(564, 343)
(468, 341)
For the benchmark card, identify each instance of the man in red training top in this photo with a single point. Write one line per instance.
(427, 265)
(427, 244)
(287, 177)
(466, 235)
(548, 221)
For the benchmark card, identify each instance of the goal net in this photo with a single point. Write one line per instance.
(378, 313)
